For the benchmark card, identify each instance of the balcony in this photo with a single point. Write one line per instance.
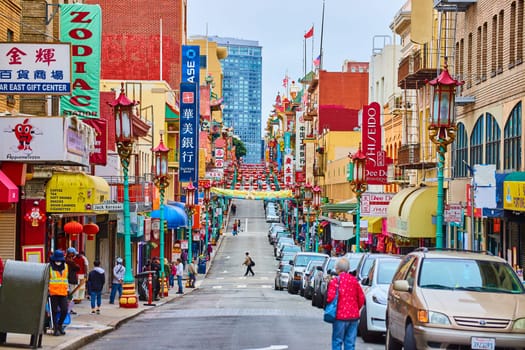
(453, 5)
(409, 157)
(414, 69)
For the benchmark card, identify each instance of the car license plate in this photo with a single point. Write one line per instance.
(483, 343)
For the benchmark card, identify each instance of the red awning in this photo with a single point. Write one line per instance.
(8, 190)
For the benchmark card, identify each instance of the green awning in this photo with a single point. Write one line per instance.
(516, 176)
(339, 207)
(171, 113)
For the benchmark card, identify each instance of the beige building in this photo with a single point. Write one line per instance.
(10, 31)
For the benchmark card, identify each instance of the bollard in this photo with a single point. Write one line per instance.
(150, 291)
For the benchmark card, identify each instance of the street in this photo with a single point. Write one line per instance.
(228, 310)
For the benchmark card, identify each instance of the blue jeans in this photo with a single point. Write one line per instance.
(97, 296)
(179, 283)
(172, 280)
(114, 288)
(344, 332)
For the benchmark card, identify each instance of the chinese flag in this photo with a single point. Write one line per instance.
(309, 33)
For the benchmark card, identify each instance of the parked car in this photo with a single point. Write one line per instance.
(354, 259)
(282, 242)
(280, 234)
(366, 263)
(298, 266)
(281, 277)
(322, 277)
(308, 278)
(286, 258)
(286, 249)
(448, 299)
(375, 286)
(272, 217)
(273, 232)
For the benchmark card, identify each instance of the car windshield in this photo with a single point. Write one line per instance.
(331, 264)
(386, 271)
(469, 274)
(302, 260)
(288, 257)
(291, 248)
(367, 264)
(285, 268)
(354, 261)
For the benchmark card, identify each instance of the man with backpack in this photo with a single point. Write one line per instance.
(249, 264)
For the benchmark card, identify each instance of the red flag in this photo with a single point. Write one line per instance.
(309, 33)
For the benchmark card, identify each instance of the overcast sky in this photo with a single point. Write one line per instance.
(279, 27)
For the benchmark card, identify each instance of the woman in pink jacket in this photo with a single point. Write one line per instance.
(349, 302)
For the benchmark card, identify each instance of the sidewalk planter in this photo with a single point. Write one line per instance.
(23, 297)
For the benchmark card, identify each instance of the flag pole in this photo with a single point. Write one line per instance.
(321, 45)
(304, 57)
(312, 58)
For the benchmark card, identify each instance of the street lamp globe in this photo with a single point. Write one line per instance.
(190, 196)
(161, 159)
(308, 193)
(359, 161)
(206, 190)
(316, 197)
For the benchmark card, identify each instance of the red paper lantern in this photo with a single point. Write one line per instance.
(73, 228)
(91, 230)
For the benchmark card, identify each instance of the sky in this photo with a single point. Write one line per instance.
(279, 27)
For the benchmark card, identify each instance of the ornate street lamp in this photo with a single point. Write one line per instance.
(161, 180)
(316, 204)
(297, 196)
(206, 201)
(307, 201)
(123, 109)
(442, 132)
(358, 185)
(190, 206)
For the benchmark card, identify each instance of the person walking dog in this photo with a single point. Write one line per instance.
(349, 301)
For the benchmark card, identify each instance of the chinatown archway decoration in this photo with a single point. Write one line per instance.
(249, 194)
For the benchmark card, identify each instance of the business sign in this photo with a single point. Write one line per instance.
(99, 156)
(376, 164)
(40, 68)
(375, 204)
(188, 141)
(39, 139)
(219, 163)
(453, 213)
(300, 147)
(191, 64)
(514, 195)
(288, 170)
(219, 152)
(108, 206)
(81, 25)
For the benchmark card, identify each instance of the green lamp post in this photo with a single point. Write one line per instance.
(442, 132)
(306, 204)
(190, 207)
(206, 201)
(297, 196)
(123, 109)
(358, 186)
(316, 204)
(161, 181)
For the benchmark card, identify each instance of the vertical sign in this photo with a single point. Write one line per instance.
(376, 164)
(99, 155)
(188, 145)
(190, 79)
(81, 25)
(288, 170)
(300, 133)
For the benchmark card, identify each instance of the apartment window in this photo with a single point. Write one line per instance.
(484, 62)
(494, 46)
(476, 143)
(519, 36)
(469, 61)
(512, 34)
(10, 35)
(478, 56)
(512, 141)
(460, 151)
(493, 141)
(500, 42)
(461, 58)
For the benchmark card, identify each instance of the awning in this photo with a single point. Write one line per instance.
(75, 193)
(174, 216)
(410, 212)
(8, 190)
(513, 196)
(375, 224)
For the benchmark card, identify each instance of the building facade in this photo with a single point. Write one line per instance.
(242, 91)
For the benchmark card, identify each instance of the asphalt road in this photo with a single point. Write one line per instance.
(229, 311)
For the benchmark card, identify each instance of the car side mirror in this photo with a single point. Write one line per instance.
(319, 268)
(402, 286)
(364, 281)
(291, 262)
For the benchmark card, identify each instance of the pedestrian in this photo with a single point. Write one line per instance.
(116, 283)
(156, 268)
(58, 290)
(349, 301)
(192, 273)
(184, 257)
(180, 273)
(209, 250)
(95, 281)
(234, 209)
(147, 266)
(72, 277)
(239, 225)
(173, 273)
(249, 263)
(234, 228)
(83, 263)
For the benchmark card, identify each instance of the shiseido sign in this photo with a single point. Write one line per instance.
(376, 164)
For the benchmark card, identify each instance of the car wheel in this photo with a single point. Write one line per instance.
(391, 343)
(301, 292)
(363, 328)
(313, 299)
(409, 341)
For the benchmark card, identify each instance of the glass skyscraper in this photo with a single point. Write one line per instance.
(242, 92)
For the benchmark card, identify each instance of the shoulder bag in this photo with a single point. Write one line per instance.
(331, 309)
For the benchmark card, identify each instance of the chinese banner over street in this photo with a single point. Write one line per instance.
(81, 25)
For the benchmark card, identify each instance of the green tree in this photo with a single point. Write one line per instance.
(240, 149)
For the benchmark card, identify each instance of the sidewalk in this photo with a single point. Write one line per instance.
(86, 327)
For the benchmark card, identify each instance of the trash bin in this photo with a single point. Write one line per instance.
(201, 266)
(23, 298)
(142, 284)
